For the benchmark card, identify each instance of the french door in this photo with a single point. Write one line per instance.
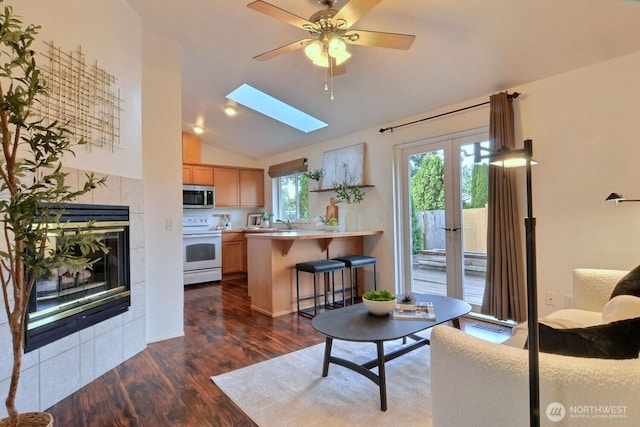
(444, 218)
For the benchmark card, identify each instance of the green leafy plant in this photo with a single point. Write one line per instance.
(315, 174)
(266, 216)
(32, 187)
(348, 193)
(382, 295)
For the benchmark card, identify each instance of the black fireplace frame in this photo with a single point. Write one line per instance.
(102, 309)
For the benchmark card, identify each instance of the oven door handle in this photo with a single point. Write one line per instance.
(193, 236)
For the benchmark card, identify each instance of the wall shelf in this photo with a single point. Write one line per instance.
(324, 190)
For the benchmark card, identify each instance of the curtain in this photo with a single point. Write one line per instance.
(505, 293)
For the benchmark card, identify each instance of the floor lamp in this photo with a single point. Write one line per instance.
(508, 158)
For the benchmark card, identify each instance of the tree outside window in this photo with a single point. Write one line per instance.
(293, 197)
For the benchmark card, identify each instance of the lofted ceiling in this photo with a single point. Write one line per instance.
(463, 49)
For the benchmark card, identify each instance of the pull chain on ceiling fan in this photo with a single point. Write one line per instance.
(331, 32)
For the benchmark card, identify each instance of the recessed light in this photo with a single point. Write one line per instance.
(230, 110)
(198, 130)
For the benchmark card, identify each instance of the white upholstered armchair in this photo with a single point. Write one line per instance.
(478, 383)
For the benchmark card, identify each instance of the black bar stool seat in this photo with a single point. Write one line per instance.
(319, 267)
(354, 262)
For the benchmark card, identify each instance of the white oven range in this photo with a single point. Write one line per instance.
(201, 250)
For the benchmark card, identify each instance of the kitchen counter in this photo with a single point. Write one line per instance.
(272, 257)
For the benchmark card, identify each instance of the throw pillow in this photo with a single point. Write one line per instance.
(615, 340)
(620, 308)
(629, 284)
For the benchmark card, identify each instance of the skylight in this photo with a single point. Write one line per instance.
(274, 108)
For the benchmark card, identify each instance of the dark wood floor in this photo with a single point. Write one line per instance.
(169, 384)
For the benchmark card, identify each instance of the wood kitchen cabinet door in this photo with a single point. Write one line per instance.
(197, 175)
(233, 253)
(227, 182)
(251, 187)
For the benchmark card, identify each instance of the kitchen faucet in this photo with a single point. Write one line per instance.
(287, 223)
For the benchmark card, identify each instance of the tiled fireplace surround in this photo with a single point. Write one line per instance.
(53, 372)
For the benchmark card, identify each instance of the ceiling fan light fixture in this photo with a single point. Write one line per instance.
(314, 50)
(336, 46)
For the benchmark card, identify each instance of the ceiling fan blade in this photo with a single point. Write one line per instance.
(379, 39)
(282, 50)
(281, 14)
(354, 10)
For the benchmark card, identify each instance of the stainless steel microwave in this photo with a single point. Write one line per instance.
(198, 196)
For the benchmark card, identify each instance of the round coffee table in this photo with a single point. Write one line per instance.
(355, 323)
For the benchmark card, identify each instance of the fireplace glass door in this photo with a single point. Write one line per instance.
(69, 298)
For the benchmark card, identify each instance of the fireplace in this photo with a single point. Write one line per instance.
(70, 299)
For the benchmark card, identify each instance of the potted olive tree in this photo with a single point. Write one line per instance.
(31, 184)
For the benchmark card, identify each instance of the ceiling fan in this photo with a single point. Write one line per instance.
(330, 31)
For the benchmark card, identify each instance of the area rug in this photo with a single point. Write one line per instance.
(290, 391)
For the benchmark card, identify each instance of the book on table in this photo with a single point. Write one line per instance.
(417, 311)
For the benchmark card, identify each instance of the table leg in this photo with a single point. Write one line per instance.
(382, 376)
(456, 323)
(327, 354)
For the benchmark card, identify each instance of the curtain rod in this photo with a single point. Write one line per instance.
(512, 96)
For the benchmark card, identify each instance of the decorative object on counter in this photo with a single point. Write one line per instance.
(350, 194)
(28, 145)
(333, 225)
(331, 211)
(266, 218)
(225, 221)
(314, 178)
(379, 303)
(254, 219)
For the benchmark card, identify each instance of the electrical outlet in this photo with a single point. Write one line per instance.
(568, 301)
(168, 225)
(551, 298)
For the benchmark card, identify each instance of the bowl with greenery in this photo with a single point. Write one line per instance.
(379, 303)
(333, 225)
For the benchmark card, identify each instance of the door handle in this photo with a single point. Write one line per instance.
(450, 229)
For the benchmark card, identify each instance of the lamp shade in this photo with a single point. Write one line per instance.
(614, 197)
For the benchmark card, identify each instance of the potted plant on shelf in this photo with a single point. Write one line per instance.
(31, 183)
(351, 195)
(314, 178)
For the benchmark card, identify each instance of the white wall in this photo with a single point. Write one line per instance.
(584, 128)
(108, 32)
(162, 151)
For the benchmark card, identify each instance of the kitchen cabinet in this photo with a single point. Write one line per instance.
(197, 174)
(251, 187)
(238, 186)
(234, 253)
(190, 148)
(227, 183)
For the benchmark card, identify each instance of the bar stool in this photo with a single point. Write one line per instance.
(354, 262)
(322, 266)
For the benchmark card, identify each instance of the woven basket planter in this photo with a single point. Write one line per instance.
(31, 419)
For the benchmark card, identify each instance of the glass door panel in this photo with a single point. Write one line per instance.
(444, 197)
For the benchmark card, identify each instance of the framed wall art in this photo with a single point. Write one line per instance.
(343, 164)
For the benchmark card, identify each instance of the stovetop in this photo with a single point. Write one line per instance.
(198, 225)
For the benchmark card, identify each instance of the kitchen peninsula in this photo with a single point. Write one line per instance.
(272, 258)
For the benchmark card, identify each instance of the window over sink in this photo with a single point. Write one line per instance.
(293, 197)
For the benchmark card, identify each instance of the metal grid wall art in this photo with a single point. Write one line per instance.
(81, 98)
